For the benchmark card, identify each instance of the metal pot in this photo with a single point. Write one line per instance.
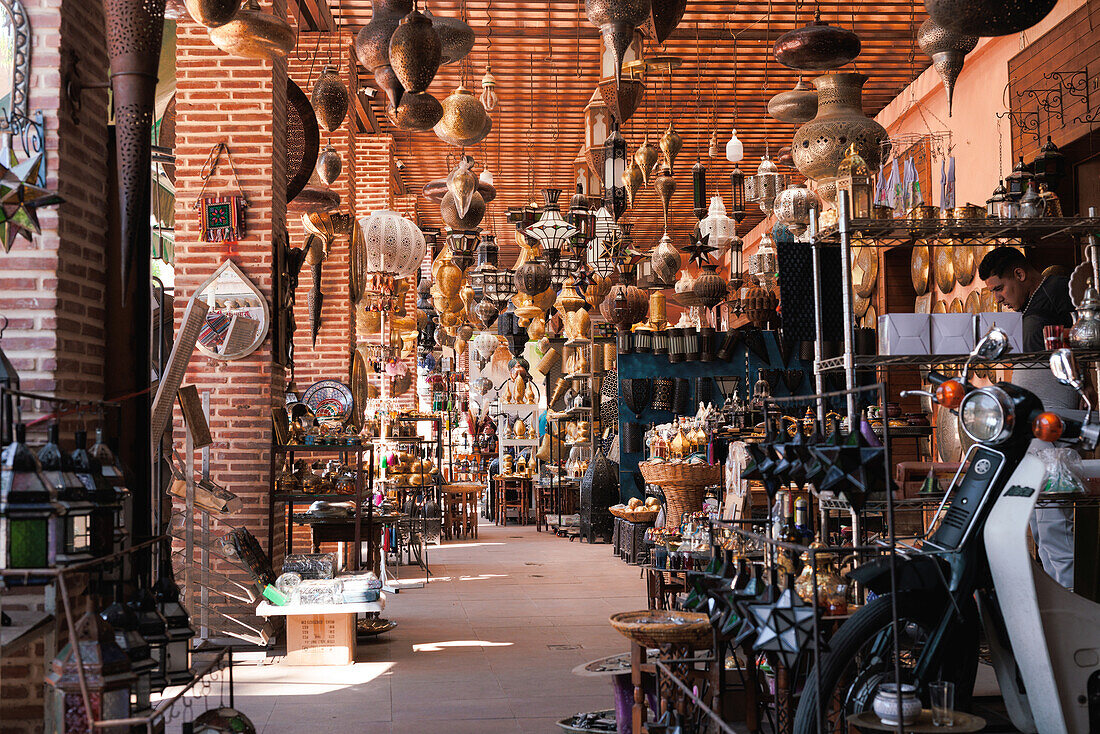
(464, 120)
(796, 106)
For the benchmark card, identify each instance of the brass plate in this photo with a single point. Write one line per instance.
(963, 258)
(864, 271)
(939, 307)
(870, 319)
(920, 262)
(956, 306)
(923, 304)
(860, 306)
(989, 303)
(973, 303)
(945, 268)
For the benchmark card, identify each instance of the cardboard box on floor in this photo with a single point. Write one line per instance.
(320, 639)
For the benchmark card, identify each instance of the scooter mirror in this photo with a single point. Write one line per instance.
(1064, 367)
(993, 345)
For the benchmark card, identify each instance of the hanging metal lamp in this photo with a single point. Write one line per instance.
(817, 47)
(948, 50)
(254, 34)
(415, 52)
(330, 98)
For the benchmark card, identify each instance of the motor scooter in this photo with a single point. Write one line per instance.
(972, 572)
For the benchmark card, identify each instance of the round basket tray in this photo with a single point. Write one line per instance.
(636, 515)
(655, 628)
(667, 475)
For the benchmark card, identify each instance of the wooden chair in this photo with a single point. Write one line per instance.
(512, 495)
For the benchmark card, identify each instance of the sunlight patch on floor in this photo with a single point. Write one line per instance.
(438, 646)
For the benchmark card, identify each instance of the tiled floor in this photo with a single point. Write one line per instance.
(476, 650)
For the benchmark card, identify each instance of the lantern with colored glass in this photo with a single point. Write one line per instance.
(9, 380)
(26, 508)
(551, 230)
(614, 163)
(605, 229)
(463, 247)
(737, 195)
(853, 177)
(104, 517)
(1018, 180)
(103, 668)
(74, 524)
(583, 220)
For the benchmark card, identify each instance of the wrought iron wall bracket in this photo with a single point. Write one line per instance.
(73, 86)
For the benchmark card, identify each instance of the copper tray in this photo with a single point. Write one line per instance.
(939, 307)
(956, 306)
(989, 302)
(864, 270)
(860, 306)
(920, 262)
(870, 318)
(973, 302)
(963, 257)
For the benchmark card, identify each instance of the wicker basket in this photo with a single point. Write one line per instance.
(667, 475)
(636, 515)
(657, 628)
(680, 501)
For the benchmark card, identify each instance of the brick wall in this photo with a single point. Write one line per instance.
(241, 102)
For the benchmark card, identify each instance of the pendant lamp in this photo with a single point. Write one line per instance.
(735, 149)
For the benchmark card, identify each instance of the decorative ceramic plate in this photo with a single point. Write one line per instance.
(939, 307)
(964, 261)
(956, 306)
(974, 303)
(920, 262)
(329, 399)
(945, 268)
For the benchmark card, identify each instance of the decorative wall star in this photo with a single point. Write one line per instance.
(20, 199)
(700, 250)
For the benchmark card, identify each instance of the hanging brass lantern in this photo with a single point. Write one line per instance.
(947, 50)
(330, 99)
(417, 111)
(329, 165)
(671, 143)
(817, 47)
(415, 52)
(372, 44)
(665, 260)
(617, 20)
(666, 189)
(462, 183)
(254, 34)
(988, 17)
(664, 16)
(710, 288)
(212, 13)
(464, 120)
(448, 211)
(633, 181)
(646, 157)
(821, 143)
(796, 106)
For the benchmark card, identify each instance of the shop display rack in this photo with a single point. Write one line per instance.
(895, 232)
(932, 361)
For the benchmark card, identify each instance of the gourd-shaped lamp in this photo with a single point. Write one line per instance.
(720, 228)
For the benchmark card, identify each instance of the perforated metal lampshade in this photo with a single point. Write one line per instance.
(551, 230)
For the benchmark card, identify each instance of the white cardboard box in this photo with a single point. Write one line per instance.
(953, 333)
(904, 333)
(1011, 321)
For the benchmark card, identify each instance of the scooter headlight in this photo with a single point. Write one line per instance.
(986, 415)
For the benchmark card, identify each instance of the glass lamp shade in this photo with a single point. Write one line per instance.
(660, 342)
(1018, 180)
(106, 672)
(463, 244)
(720, 229)
(605, 226)
(488, 251)
(643, 339)
(489, 97)
(737, 195)
(677, 344)
(124, 622)
(72, 527)
(26, 508)
(1050, 165)
(614, 164)
(551, 230)
(853, 178)
(737, 267)
(735, 149)
(99, 491)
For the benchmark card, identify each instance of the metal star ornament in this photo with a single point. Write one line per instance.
(20, 199)
(783, 628)
(700, 250)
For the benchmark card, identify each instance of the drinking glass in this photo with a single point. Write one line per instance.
(942, 694)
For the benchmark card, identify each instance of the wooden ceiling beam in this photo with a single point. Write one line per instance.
(312, 15)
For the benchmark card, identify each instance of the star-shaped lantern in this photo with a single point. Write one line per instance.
(762, 468)
(700, 249)
(784, 627)
(20, 199)
(855, 468)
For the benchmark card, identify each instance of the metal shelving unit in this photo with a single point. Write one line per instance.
(894, 232)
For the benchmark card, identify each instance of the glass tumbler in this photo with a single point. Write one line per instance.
(942, 695)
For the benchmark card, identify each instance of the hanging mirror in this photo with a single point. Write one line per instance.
(238, 318)
(15, 59)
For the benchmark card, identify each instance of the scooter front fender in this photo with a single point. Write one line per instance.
(914, 573)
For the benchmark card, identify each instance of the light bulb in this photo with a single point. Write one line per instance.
(735, 150)
(488, 91)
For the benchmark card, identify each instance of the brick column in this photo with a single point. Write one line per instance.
(241, 102)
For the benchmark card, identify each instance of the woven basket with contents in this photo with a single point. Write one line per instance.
(685, 486)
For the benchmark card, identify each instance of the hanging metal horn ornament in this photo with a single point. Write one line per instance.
(633, 181)
(671, 143)
(947, 50)
(666, 189)
(462, 184)
(617, 20)
(134, 35)
(415, 52)
(330, 99)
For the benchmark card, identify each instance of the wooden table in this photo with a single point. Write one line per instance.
(460, 510)
(964, 723)
(502, 484)
(320, 634)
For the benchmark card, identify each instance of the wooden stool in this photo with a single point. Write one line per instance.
(512, 495)
(460, 510)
